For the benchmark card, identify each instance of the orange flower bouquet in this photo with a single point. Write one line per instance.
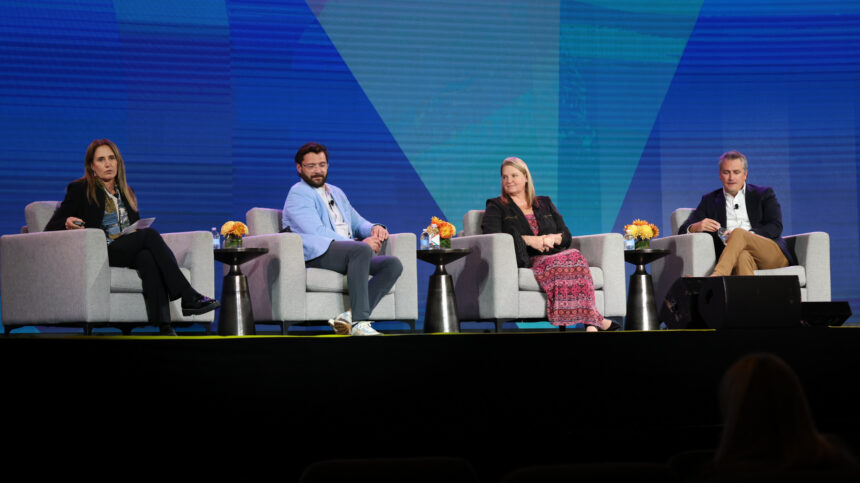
(233, 232)
(642, 232)
(443, 229)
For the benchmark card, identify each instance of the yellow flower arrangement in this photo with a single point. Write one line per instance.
(235, 228)
(642, 231)
(233, 232)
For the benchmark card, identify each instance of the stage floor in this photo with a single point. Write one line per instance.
(501, 400)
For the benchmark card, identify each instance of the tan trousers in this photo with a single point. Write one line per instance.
(746, 252)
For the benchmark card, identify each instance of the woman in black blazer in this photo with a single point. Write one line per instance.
(542, 243)
(102, 199)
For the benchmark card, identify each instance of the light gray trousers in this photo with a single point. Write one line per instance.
(355, 259)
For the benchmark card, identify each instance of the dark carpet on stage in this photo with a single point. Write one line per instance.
(502, 401)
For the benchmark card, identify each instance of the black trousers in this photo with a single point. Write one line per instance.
(356, 260)
(146, 252)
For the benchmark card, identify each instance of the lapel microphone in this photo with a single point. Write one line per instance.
(736, 205)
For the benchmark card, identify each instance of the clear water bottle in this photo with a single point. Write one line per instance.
(629, 242)
(434, 237)
(216, 239)
(424, 240)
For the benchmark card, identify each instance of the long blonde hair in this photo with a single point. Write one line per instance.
(93, 183)
(521, 166)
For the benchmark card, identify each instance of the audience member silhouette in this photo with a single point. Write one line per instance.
(767, 424)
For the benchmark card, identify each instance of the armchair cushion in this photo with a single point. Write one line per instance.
(126, 280)
(796, 270)
(321, 280)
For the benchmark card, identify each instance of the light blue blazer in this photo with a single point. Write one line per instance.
(306, 213)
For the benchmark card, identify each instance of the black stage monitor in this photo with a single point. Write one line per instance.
(732, 302)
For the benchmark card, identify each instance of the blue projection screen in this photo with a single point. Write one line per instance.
(620, 108)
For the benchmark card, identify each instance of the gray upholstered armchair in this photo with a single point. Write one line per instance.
(693, 254)
(62, 278)
(284, 292)
(489, 286)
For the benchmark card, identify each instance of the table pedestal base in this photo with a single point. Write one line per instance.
(440, 314)
(236, 318)
(641, 307)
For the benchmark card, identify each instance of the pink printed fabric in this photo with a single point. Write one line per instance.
(566, 279)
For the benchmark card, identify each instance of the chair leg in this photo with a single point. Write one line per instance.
(126, 330)
(284, 328)
(88, 329)
(499, 324)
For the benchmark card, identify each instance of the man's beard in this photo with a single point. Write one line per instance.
(316, 183)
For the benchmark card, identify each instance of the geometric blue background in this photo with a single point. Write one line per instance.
(621, 109)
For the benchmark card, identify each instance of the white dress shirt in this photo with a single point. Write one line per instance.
(736, 210)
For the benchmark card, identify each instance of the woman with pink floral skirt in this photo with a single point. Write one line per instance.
(542, 243)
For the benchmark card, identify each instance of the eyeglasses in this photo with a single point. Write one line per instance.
(314, 166)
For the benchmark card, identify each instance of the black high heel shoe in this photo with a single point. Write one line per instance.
(613, 326)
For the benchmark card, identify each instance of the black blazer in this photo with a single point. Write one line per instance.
(762, 208)
(500, 217)
(76, 204)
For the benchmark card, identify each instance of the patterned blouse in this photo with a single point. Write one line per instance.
(116, 217)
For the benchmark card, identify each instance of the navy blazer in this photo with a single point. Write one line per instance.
(763, 210)
(76, 204)
(506, 217)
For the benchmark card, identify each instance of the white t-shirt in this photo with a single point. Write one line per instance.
(340, 226)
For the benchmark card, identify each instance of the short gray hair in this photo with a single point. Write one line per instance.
(731, 155)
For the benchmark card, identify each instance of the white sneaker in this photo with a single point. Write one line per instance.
(342, 324)
(364, 328)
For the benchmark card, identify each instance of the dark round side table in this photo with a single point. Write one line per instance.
(236, 317)
(440, 314)
(641, 306)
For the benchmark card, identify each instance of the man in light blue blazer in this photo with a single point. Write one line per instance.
(335, 237)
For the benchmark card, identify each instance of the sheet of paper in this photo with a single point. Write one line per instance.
(138, 225)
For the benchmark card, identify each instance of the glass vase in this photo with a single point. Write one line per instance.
(643, 244)
(232, 241)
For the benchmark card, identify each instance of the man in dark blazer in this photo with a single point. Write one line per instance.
(752, 219)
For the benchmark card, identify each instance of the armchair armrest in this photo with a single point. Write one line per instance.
(813, 253)
(486, 281)
(56, 276)
(193, 250)
(692, 254)
(277, 280)
(607, 252)
(402, 246)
